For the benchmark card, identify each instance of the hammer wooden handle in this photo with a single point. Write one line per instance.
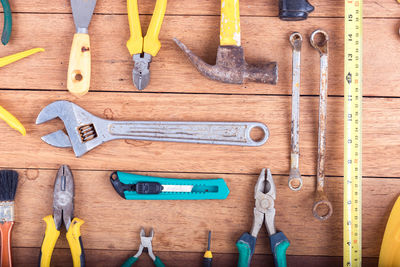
(5, 230)
(230, 23)
(78, 80)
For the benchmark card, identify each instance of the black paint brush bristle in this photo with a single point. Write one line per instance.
(8, 185)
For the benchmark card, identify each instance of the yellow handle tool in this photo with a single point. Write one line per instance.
(50, 238)
(78, 80)
(12, 121)
(12, 58)
(135, 42)
(75, 242)
(230, 23)
(390, 249)
(151, 42)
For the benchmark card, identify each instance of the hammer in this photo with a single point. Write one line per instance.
(231, 67)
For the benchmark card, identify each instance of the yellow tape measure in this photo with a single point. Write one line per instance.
(352, 204)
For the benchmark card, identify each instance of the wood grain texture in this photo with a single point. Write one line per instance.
(113, 223)
(171, 71)
(106, 258)
(379, 151)
(332, 8)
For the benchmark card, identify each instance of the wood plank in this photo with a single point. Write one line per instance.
(109, 258)
(171, 70)
(112, 223)
(332, 8)
(380, 132)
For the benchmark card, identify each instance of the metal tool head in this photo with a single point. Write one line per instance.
(141, 71)
(264, 211)
(80, 125)
(63, 198)
(82, 10)
(145, 242)
(296, 40)
(231, 66)
(319, 40)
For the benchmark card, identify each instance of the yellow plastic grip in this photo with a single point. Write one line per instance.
(390, 248)
(50, 238)
(135, 42)
(230, 23)
(151, 42)
(75, 242)
(12, 121)
(78, 80)
(12, 58)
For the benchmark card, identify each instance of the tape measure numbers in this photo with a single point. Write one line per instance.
(352, 201)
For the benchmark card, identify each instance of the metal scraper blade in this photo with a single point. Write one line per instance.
(177, 188)
(82, 10)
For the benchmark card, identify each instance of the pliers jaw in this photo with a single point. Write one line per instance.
(264, 210)
(145, 242)
(63, 198)
(141, 70)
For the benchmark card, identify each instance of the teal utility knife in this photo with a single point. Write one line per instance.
(139, 187)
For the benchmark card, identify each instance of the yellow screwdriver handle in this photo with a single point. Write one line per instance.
(78, 80)
(12, 58)
(151, 42)
(230, 23)
(135, 42)
(75, 242)
(12, 121)
(50, 238)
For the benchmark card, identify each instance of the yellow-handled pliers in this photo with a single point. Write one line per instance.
(4, 114)
(63, 209)
(143, 49)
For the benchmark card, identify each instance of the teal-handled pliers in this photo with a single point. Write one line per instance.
(264, 212)
(5, 36)
(145, 242)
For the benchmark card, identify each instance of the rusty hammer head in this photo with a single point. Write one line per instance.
(231, 66)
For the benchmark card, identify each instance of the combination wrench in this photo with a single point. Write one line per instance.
(322, 208)
(86, 131)
(295, 182)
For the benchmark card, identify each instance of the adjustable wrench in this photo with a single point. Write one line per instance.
(295, 181)
(86, 131)
(322, 208)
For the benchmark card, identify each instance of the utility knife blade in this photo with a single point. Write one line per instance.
(82, 11)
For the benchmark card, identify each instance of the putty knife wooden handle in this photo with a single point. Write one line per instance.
(78, 81)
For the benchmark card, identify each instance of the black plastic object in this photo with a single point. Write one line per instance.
(294, 9)
(148, 188)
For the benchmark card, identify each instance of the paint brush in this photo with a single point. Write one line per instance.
(8, 188)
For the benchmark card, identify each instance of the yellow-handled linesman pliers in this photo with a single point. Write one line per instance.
(143, 49)
(4, 114)
(63, 209)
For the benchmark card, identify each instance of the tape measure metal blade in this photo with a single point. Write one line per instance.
(352, 200)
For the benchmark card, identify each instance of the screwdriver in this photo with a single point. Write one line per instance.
(207, 258)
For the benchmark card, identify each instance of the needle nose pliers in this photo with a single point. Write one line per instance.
(63, 210)
(145, 243)
(5, 36)
(143, 49)
(264, 212)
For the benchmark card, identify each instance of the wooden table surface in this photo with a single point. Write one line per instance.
(178, 92)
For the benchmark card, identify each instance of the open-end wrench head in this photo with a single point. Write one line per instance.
(57, 139)
(78, 123)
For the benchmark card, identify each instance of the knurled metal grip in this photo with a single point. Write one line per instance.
(294, 9)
